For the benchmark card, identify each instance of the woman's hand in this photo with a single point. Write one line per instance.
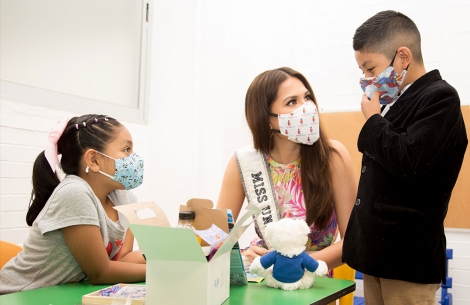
(252, 252)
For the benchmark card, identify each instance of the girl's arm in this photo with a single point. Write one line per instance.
(344, 194)
(231, 194)
(86, 245)
(126, 254)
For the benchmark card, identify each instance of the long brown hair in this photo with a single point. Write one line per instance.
(315, 159)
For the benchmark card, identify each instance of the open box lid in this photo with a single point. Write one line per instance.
(158, 241)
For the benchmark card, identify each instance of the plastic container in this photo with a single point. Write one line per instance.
(231, 224)
(185, 221)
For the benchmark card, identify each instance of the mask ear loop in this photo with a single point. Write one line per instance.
(107, 175)
(393, 60)
(276, 116)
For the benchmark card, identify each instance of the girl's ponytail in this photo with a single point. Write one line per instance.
(44, 182)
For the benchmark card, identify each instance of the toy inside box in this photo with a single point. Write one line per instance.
(177, 269)
(117, 294)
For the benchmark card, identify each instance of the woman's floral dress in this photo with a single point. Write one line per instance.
(287, 184)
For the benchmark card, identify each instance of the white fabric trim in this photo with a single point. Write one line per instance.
(256, 180)
(387, 108)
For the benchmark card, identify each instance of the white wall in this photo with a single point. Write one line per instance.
(204, 56)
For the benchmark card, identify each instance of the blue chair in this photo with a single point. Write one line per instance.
(446, 298)
(359, 300)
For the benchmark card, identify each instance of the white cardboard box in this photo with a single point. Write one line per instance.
(178, 272)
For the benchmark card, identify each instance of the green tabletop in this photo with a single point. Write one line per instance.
(324, 291)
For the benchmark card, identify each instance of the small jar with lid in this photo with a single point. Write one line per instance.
(186, 219)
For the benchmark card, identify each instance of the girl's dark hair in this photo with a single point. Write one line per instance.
(315, 165)
(77, 137)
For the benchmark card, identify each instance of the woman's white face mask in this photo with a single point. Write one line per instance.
(302, 125)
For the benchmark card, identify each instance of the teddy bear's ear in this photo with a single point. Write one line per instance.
(303, 227)
(270, 229)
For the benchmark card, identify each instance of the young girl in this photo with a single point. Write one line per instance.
(293, 169)
(75, 232)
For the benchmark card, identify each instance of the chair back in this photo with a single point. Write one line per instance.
(7, 251)
(346, 273)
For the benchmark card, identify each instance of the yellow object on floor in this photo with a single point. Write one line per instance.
(346, 273)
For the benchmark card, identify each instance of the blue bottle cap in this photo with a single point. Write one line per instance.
(230, 216)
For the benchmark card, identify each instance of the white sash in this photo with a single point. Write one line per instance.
(258, 187)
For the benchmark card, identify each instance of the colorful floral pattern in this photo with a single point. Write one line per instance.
(287, 184)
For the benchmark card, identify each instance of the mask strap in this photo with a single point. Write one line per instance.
(107, 175)
(276, 116)
(105, 155)
(393, 60)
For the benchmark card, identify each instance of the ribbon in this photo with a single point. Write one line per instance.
(51, 151)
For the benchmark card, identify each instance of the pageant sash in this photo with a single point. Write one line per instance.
(258, 187)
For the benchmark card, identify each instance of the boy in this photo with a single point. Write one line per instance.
(413, 147)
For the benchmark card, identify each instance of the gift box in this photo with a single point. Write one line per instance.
(177, 269)
(136, 297)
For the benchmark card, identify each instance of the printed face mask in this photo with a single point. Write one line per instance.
(300, 126)
(129, 171)
(387, 83)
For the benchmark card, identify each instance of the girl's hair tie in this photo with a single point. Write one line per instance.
(76, 126)
(106, 119)
(84, 124)
(51, 151)
(96, 120)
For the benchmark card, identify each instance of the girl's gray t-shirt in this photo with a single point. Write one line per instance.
(46, 259)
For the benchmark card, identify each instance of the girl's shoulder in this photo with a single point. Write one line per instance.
(73, 184)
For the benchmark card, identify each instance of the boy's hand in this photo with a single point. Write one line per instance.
(370, 107)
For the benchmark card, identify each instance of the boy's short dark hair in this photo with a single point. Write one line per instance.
(385, 32)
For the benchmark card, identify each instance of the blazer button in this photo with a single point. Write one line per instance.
(358, 201)
(364, 168)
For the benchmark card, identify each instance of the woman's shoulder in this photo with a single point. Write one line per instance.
(339, 147)
(340, 157)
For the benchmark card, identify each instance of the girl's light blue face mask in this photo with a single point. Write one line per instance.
(129, 171)
(387, 83)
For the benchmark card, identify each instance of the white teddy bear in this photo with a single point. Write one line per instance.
(292, 267)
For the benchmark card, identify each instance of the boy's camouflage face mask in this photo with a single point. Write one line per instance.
(387, 83)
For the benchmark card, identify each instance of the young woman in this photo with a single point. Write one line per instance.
(307, 175)
(75, 232)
